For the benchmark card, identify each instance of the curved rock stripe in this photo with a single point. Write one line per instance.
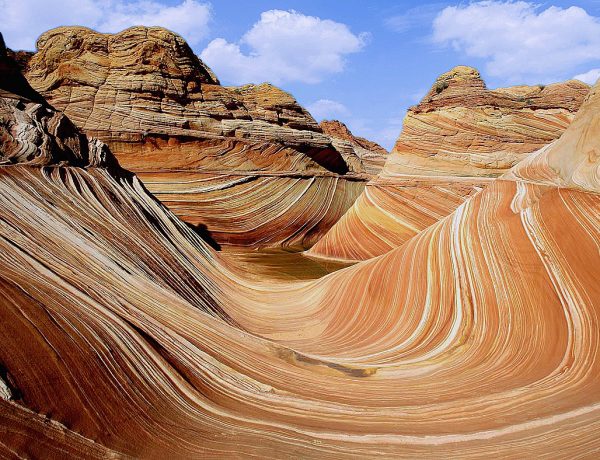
(249, 210)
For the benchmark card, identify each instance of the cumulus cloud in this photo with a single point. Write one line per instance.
(24, 20)
(590, 77)
(284, 46)
(520, 40)
(324, 109)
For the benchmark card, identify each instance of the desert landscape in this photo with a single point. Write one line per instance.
(195, 270)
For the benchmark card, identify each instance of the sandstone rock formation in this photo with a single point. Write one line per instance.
(463, 129)
(359, 153)
(32, 132)
(124, 334)
(453, 143)
(249, 163)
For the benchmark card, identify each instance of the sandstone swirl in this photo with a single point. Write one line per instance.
(247, 163)
(453, 143)
(124, 334)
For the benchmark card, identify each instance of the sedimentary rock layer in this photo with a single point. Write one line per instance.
(388, 214)
(272, 210)
(458, 138)
(369, 156)
(163, 113)
(464, 129)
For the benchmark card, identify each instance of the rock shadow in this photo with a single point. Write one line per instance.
(203, 232)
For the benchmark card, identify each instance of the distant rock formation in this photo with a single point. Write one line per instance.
(453, 143)
(202, 148)
(359, 153)
(460, 128)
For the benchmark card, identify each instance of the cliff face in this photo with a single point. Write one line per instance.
(145, 85)
(453, 143)
(460, 128)
(201, 148)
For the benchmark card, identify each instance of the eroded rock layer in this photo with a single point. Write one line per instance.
(163, 113)
(124, 334)
(458, 138)
(368, 156)
(389, 213)
(275, 210)
(464, 129)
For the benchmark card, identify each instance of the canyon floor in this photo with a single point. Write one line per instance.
(189, 270)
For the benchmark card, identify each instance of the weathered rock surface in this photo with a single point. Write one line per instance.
(124, 334)
(32, 132)
(359, 153)
(453, 143)
(461, 128)
(165, 116)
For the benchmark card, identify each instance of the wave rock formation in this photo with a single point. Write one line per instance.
(459, 138)
(125, 334)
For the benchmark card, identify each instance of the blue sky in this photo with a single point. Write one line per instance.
(362, 62)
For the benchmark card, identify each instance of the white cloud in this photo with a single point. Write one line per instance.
(284, 46)
(590, 77)
(325, 109)
(24, 20)
(519, 40)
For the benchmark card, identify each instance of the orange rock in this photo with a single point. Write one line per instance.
(460, 128)
(453, 143)
(359, 153)
(164, 115)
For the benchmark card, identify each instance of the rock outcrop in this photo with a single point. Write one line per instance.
(453, 143)
(462, 129)
(359, 153)
(203, 149)
(32, 132)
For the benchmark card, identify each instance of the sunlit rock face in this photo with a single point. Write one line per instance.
(462, 129)
(453, 143)
(125, 334)
(248, 163)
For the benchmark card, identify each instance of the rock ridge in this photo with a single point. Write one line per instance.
(454, 143)
(166, 117)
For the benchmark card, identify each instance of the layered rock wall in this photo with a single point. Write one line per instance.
(164, 115)
(453, 143)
